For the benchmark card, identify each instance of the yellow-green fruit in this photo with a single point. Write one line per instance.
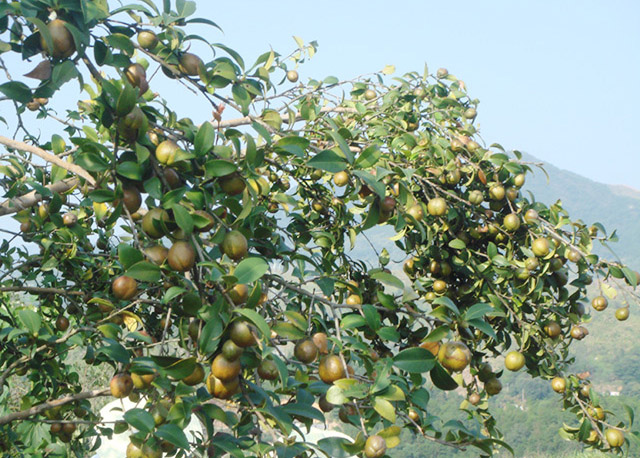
(232, 184)
(558, 384)
(596, 412)
(497, 192)
(531, 216)
(182, 256)
(142, 381)
(225, 370)
(599, 303)
(121, 385)
(133, 451)
(196, 377)
(239, 294)
(190, 64)
(439, 286)
(455, 356)
(552, 329)
(341, 178)
(415, 211)
(514, 361)
(231, 351)
(622, 313)
(136, 74)
(437, 207)
(157, 254)
(540, 247)
(166, 152)
(63, 44)
(375, 447)
(615, 437)
(292, 76)
(152, 222)
(69, 219)
(476, 197)
(470, 113)
(331, 369)
(369, 94)
(511, 222)
(222, 389)
(474, 399)
(235, 245)
(442, 73)
(493, 386)
(147, 39)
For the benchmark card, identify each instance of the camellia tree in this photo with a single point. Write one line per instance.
(204, 268)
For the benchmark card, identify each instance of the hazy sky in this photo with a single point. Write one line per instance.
(555, 78)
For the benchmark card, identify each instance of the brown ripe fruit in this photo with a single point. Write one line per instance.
(325, 405)
(63, 44)
(68, 428)
(194, 330)
(292, 76)
(132, 199)
(157, 254)
(232, 184)
(121, 385)
(235, 245)
(25, 226)
(514, 361)
(190, 64)
(346, 411)
(69, 219)
(182, 256)
(239, 294)
(136, 74)
(305, 351)
(331, 369)
(493, 386)
(124, 288)
(454, 356)
(615, 437)
(142, 381)
(599, 303)
(225, 370)
(166, 152)
(147, 39)
(55, 428)
(222, 389)
(172, 178)
(231, 351)
(474, 399)
(437, 207)
(558, 384)
(375, 447)
(579, 332)
(622, 313)
(268, 370)
(62, 323)
(433, 347)
(388, 204)
(573, 255)
(196, 377)
(241, 334)
(415, 211)
(321, 341)
(552, 329)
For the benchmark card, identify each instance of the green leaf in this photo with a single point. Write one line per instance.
(447, 303)
(414, 360)
(372, 316)
(30, 319)
(441, 378)
(384, 408)
(175, 367)
(344, 147)
(457, 244)
(478, 311)
(293, 144)
(256, 319)
(377, 186)
(144, 271)
(204, 139)
(210, 335)
(219, 168)
(140, 420)
(173, 434)
(333, 447)
(57, 144)
(250, 270)
(17, 91)
(183, 219)
(483, 326)
(388, 279)
(130, 169)
(128, 255)
(368, 157)
(328, 160)
(126, 100)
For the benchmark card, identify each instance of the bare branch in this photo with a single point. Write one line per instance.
(32, 198)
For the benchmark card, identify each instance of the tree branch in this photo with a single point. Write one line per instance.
(32, 198)
(35, 410)
(51, 158)
(37, 290)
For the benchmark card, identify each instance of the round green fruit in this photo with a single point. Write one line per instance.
(235, 245)
(437, 207)
(454, 356)
(63, 44)
(540, 247)
(514, 361)
(375, 447)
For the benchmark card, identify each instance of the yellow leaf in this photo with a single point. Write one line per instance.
(389, 69)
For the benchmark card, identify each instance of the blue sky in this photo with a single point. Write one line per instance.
(555, 78)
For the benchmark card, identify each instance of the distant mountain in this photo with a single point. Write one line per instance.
(614, 206)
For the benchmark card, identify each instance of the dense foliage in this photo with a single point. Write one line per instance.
(206, 265)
